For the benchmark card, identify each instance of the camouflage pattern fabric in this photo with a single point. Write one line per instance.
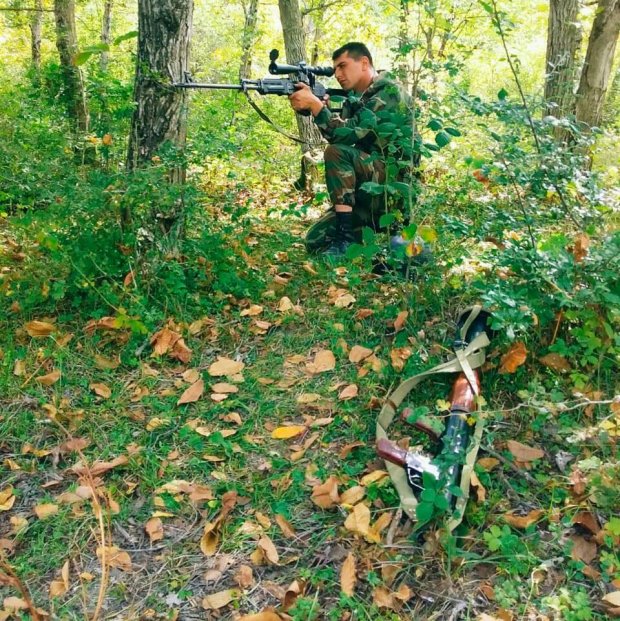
(355, 155)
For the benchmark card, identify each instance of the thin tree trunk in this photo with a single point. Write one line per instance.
(106, 34)
(598, 63)
(249, 34)
(163, 57)
(403, 43)
(295, 48)
(66, 42)
(563, 40)
(36, 26)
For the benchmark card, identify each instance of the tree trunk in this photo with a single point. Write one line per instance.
(249, 34)
(563, 39)
(106, 34)
(295, 48)
(36, 26)
(403, 43)
(163, 56)
(598, 63)
(66, 42)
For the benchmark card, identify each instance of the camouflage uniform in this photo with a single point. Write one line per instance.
(355, 155)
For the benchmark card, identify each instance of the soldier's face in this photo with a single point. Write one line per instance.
(350, 72)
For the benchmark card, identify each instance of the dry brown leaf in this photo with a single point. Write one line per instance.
(352, 495)
(244, 577)
(358, 521)
(399, 322)
(225, 366)
(488, 463)
(348, 575)
(99, 467)
(39, 328)
(218, 600)
(107, 364)
(61, 586)
(588, 520)
(287, 432)
(326, 495)
(285, 526)
(271, 554)
(524, 453)
(578, 481)
(324, 360)
(225, 388)
(49, 379)
(612, 599)
(580, 248)
(191, 376)
(252, 311)
(285, 305)
(359, 353)
(102, 390)
(19, 368)
(523, 521)
(193, 393)
(375, 530)
(583, 550)
(513, 358)
(308, 397)
(556, 362)
(266, 615)
(13, 604)
(374, 477)
(154, 529)
(344, 301)
(481, 493)
(114, 557)
(45, 510)
(399, 356)
(348, 392)
(7, 498)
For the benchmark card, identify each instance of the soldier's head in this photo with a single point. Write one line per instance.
(353, 66)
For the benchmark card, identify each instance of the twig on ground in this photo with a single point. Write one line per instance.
(528, 477)
(10, 578)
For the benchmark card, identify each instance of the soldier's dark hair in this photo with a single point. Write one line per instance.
(355, 49)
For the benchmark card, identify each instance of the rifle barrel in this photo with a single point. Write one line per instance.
(228, 87)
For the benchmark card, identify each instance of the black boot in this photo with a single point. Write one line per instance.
(345, 235)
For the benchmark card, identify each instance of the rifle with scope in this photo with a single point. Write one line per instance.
(272, 86)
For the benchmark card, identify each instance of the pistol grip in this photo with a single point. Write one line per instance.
(391, 452)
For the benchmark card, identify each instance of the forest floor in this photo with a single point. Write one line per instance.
(224, 465)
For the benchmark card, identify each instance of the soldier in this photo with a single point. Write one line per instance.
(356, 153)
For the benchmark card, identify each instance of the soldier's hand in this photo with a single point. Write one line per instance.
(304, 99)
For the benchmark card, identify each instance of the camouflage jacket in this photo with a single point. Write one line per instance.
(367, 122)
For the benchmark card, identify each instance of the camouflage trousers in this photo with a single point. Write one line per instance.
(346, 169)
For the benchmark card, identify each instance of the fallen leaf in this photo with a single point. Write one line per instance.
(224, 388)
(285, 305)
(363, 313)
(556, 362)
(7, 498)
(344, 301)
(285, 526)
(215, 601)
(19, 368)
(99, 467)
(15, 603)
(580, 247)
(488, 463)
(271, 554)
(375, 530)
(399, 322)
(45, 510)
(252, 311)
(60, 587)
(399, 356)
(108, 364)
(49, 379)
(114, 557)
(225, 366)
(583, 550)
(326, 495)
(513, 358)
(154, 529)
(588, 520)
(39, 328)
(266, 615)
(193, 393)
(352, 495)
(613, 598)
(244, 577)
(324, 360)
(523, 521)
(191, 376)
(348, 575)
(359, 353)
(358, 521)
(285, 433)
(374, 477)
(481, 493)
(349, 392)
(308, 397)
(522, 452)
(102, 390)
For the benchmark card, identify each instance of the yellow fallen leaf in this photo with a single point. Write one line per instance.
(359, 353)
(285, 305)
(101, 362)
(285, 526)
(154, 529)
(348, 575)
(348, 392)
(45, 510)
(193, 393)
(114, 557)
(271, 554)
(225, 366)
(218, 600)
(49, 379)
(326, 495)
(358, 521)
(308, 397)
(285, 433)
(60, 587)
(7, 498)
(19, 368)
(224, 388)
(244, 577)
(399, 322)
(374, 477)
(344, 301)
(324, 360)
(613, 598)
(39, 328)
(252, 311)
(352, 495)
(102, 390)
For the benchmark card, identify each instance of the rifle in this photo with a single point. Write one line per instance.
(447, 464)
(301, 72)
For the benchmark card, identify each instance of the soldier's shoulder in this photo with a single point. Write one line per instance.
(386, 82)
